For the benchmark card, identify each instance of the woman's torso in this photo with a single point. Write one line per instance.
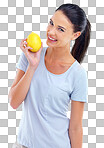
(44, 120)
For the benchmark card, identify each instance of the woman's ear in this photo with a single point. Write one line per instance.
(76, 35)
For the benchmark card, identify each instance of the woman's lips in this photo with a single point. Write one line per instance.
(51, 39)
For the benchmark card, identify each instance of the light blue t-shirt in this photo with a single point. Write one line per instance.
(44, 122)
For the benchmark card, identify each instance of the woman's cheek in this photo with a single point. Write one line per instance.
(48, 27)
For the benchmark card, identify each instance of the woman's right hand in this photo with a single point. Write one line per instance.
(32, 57)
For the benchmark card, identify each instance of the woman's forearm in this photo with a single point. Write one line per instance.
(76, 138)
(18, 93)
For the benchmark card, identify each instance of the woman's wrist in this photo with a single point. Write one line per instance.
(32, 68)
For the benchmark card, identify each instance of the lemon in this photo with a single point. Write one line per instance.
(34, 41)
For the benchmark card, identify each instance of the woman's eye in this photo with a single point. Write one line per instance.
(51, 22)
(52, 25)
(61, 30)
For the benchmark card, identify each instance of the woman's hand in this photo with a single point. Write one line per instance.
(32, 57)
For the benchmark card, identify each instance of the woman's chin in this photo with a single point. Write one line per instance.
(50, 44)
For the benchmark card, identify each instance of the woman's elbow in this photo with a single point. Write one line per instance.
(12, 104)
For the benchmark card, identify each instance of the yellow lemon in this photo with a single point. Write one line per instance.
(34, 41)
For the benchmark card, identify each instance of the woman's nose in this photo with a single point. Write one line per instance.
(52, 31)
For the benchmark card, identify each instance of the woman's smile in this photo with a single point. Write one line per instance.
(52, 39)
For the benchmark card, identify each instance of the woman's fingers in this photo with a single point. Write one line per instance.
(28, 48)
(23, 45)
(22, 42)
(24, 39)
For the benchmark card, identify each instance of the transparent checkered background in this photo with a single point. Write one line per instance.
(17, 20)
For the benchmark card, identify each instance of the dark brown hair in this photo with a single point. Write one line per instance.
(80, 23)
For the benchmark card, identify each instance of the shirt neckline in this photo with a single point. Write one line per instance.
(57, 74)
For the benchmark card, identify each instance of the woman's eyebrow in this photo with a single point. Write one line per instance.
(58, 25)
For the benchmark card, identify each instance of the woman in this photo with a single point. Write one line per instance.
(47, 80)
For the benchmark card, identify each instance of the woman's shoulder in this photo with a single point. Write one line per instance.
(80, 68)
(80, 71)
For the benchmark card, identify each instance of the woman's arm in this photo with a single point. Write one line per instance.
(75, 126)
(76, 138)
(20, 86)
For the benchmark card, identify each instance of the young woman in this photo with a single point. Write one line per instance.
(47, 80)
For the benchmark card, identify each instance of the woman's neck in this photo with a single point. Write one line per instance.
(59, 55)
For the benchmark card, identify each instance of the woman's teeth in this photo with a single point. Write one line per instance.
(51, 39)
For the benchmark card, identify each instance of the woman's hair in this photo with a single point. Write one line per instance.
(80, 23)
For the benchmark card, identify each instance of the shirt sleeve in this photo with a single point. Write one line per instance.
(80, 91)
(22, 62)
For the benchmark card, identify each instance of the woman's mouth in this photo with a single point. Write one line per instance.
(51, 39)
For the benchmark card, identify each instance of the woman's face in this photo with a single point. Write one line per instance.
(59, 30)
